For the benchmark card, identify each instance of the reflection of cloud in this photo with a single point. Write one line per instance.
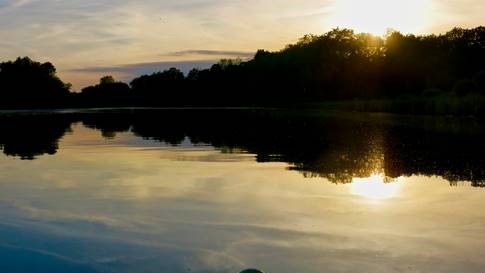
(49, 262)
(217, 216)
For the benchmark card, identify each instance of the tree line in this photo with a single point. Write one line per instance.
(338, 65)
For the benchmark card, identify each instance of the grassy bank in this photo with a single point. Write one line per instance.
(470, 105)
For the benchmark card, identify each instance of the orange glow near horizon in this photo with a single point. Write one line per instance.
(377, 16)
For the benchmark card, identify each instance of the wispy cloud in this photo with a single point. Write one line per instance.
(102, 33)
(214, 53)
(129, 71)
(9, 4)
(146, 68)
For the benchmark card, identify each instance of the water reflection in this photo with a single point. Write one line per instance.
(28, 136)
(375, 187)
(336, 146)
(178, 192)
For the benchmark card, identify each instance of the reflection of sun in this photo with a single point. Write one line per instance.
(374, 187)
(376, 16)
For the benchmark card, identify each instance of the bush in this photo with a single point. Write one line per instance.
(479, 80)
(433, 92)
(465, 87)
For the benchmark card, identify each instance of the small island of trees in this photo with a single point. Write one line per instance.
(398, 73)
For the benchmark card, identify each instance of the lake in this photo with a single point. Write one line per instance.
(187, 190)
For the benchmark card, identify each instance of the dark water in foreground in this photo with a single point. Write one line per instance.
(223, 190)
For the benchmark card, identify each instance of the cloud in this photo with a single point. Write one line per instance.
(101, 33)
(127, 72)
(9, 4)
(462, 13)
(148, 68)
(185, 66)
(217, 53)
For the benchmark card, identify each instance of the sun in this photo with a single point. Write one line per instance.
(377, 16)
(374, 187)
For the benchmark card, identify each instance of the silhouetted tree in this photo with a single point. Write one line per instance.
(337, 65)
(108, 92)
(160, 87)
(26, 83)
(106, 80)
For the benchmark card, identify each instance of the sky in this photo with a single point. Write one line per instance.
(86, 39)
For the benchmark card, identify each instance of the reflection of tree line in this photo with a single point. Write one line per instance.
(335, 148)
(29, 136)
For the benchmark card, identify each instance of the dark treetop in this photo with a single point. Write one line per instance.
(338, 65)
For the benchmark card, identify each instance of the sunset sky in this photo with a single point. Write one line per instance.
(87, 39)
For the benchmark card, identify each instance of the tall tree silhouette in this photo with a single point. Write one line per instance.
(26, 83)
(108, 92)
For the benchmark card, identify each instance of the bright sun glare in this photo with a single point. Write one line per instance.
(377, 16)
(374, 187)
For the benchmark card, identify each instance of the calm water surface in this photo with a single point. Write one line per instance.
(220, 191)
